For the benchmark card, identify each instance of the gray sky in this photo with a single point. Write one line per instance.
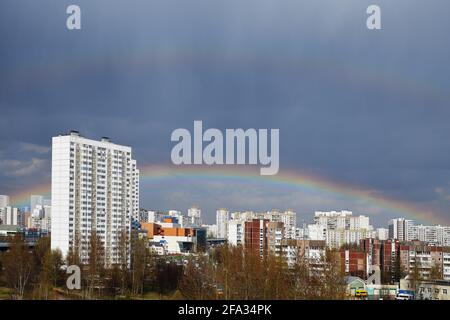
(365, 108)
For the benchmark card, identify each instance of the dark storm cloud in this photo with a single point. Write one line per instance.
(365, 108)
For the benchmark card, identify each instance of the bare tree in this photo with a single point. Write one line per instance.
(18, 267)
(95, 267)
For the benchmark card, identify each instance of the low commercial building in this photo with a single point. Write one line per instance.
(8, 230)
(427, 289)
(169, 238)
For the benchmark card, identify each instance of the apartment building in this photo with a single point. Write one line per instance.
(338, 228)
(275, 235)
(11, 216)
(256, 235)
(421, 257)
(4, 201)
(94, 191)
(235, 232)
(446, 264)
(194, 217)
(288, 218)
(310, 252)
(222, 221)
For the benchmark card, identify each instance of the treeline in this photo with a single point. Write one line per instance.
(39, 273)
(224, 273)
(31, 273)
(240, 273)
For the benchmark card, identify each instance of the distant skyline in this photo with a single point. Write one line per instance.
(363, 112)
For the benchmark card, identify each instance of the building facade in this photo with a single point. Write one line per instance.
(256, 232)
(222, 219)
(92, 194)
(4, 201)
(195, 217)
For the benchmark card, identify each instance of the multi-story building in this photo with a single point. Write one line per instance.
(4, 201)
(446, 264)
(420, 257)
(134, 182)
(389, 260)
(168, 237)
(288, 218)
(181, 218)
(402, 229)
(275, 235)
(381, 234)
(310, 252)
(40, 218)
(256, 235)
(354, 262)
(235, 232)
(405, 230)
(195, 217)
(433, 235)
(443, 235)
(341, 227)
(36, 200)
(11, 216)
(211, 230)
(245, 215)
(315, 232)
(92, 194)
(222, 221)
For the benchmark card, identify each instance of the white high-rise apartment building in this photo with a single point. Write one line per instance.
(4, 201)
(211, 230)
(434, 235)
(92, 191)
(195, 217)
(135, 193)
(222, 219)
(289, 219)
(341, 227)
(36, 200)
(10, 216)
(40, 218)
(235, 232)
(382, 233)
(402, 229)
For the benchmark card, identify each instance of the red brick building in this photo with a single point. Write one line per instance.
(256, 235)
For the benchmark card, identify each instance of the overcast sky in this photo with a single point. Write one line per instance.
(365, 108)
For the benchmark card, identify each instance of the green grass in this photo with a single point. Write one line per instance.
(155, 296)
(5, 293)
(151, 296)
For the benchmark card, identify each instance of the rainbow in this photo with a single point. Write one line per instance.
(296, 180)
(22, 198)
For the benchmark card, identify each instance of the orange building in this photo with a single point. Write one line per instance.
(154, 229)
